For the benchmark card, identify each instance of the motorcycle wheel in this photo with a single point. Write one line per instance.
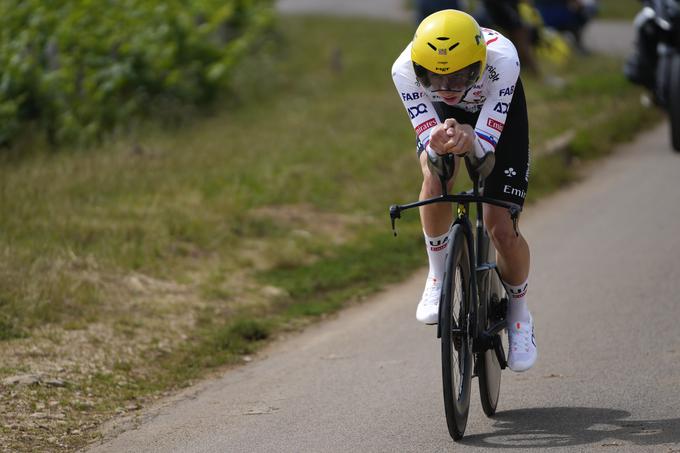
(674, 100)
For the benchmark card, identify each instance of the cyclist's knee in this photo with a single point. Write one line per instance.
(503, 235)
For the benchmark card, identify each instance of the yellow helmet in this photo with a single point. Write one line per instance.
(446, 42)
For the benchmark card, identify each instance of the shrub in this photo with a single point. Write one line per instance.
(81, 67)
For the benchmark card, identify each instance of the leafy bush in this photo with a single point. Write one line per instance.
(81, 67)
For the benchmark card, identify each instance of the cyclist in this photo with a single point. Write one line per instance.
(460, 86)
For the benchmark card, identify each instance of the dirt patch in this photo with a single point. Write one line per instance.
(58, 385)
(305, 220)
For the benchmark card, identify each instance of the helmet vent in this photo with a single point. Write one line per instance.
(431, 46)
(454, 46)
(443, 38)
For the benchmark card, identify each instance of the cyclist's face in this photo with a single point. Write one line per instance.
(451, 97)
(452, 87)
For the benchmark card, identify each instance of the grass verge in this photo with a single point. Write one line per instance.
(128, 270)
(618, 9)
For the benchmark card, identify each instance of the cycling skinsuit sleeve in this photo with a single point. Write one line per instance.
(498, 86)
(416, 101)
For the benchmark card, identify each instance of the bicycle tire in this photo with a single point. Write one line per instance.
(674, 100)
(488, 367)
(455, 334)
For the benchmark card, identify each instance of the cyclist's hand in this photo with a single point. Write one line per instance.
(440, 142)
(461, 136)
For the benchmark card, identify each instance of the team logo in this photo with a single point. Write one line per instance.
(526, 176)
(436, 246)
(493, 74)
(520, 292)
(493, 124)
(425, 126)
(501, 107)
(417, 110)
(507, 91)
(510, 172)
(512, 191)
(411, 96)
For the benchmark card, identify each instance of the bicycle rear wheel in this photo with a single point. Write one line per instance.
(455, 335)
(488, 367)
(674, 101)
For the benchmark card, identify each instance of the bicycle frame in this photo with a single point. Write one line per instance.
(478, 244)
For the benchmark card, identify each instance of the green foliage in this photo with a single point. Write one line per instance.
(618, 9)
(79, 68)
(240, 334)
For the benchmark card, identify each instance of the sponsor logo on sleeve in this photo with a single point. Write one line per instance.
(493, 124)
(425, 126)
(507, 91)
(501, 107)
(493, 73)
(412, 96)
(417, 110)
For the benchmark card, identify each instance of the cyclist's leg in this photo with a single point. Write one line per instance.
(512, 249)
(509, 182)
(436, 220)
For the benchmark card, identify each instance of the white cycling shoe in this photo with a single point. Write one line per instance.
(522, 346)
(428, 307)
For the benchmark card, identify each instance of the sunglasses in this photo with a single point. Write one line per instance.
(458, 81)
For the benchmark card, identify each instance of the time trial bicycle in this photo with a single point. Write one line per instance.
(473, 302)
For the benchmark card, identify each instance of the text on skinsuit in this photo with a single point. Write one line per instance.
(411, 96)
(436, 246)
(493, 124)
(493, 74)
(425, 126)
(501, 107)
(512, 191)
(507, 91)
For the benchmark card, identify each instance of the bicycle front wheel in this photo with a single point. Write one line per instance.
(488, 368)
(455, 334)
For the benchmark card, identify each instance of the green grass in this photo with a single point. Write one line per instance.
(619, 9)
(284, 186)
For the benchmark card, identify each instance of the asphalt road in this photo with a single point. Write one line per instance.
(604, 292)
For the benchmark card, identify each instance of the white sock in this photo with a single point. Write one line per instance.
(518, 311)
(437, 250)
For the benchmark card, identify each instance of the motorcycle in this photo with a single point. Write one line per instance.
(655, 63)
